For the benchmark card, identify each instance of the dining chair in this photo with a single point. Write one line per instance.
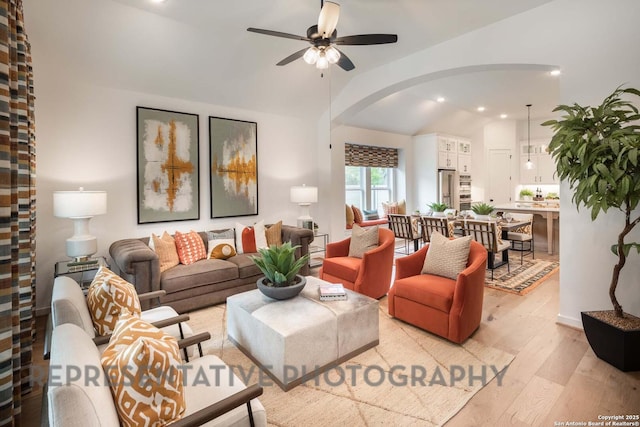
(522, 237)
(406, 227)
(488, 233)
(439, 224)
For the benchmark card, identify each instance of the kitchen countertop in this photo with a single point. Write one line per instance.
(547, 209)
(544, 206)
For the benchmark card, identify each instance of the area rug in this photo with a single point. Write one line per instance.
(522, 278)
(411, 378)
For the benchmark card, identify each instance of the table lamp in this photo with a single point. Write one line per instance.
(304, 196)
(80, 206)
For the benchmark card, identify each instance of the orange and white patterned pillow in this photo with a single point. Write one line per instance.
(190, 247)
(142, 364)
(165, 248)
(108, 296)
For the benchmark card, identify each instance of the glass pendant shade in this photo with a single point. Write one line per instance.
(332, 54)
(311, 55)
(322, 63)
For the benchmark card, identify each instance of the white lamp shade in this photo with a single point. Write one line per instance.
(79, 204)
(304, 195)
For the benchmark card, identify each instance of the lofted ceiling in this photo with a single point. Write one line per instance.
(200, 50)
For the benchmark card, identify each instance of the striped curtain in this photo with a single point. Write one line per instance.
(17, 212)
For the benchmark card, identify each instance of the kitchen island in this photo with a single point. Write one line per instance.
(549, 210)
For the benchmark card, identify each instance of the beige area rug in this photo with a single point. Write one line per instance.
(522, 278)
(376, 386)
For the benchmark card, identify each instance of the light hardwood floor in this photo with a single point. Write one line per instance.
(554, 378)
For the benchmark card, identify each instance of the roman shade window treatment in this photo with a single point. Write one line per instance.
(370, 156)
(17, 212)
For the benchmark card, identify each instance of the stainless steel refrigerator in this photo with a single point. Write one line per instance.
(446, 187)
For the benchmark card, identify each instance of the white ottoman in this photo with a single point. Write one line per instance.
(296, 339)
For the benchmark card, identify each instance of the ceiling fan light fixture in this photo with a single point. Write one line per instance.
(322, 63)
(332, 54)
(311, 55)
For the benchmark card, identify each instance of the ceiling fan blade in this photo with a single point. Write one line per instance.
(328, 19)
(277, 34)
(293, 57)
(365, 39)
(344, 62)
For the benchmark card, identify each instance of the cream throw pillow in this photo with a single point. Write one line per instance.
(446, 258)
(261, 237)
(142, 364)
(362, 240)
(108, 297)
(165, 248)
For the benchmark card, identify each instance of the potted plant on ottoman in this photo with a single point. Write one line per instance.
(281, 279)
(438, 208)
(481, 211)
(597, 150)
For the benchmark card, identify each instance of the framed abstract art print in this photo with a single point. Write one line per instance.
(233, 146)
(168, 174)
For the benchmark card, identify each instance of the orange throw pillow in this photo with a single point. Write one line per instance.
(190, 247)
(249, 240)
(357, 215)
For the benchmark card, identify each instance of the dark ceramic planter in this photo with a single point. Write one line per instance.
(615, 346)
(282, 293)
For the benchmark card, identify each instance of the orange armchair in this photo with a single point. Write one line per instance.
(445, 307)
(369, 275)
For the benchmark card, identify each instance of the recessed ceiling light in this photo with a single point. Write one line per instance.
(481, 108)
(158, 1)
(555, 72)
(503, 116)
(440, 99)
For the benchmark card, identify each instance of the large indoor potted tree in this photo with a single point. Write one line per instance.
(596, 149)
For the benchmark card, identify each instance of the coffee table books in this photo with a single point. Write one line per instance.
(332, 292)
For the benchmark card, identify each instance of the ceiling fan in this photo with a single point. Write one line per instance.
(324, 38)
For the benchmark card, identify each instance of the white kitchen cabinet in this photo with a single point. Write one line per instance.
(544, 168)
(447, 149)
(464, 146)
(464, 164)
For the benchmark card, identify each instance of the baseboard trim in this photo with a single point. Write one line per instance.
(43, 311)
(569, 321)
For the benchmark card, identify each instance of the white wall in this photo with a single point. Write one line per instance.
(87, 137)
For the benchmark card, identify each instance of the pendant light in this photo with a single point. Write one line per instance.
(529, 164)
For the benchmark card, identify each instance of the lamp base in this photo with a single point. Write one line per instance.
(80, 248)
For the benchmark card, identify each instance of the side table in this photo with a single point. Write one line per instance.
(318, 247)
(83, 273)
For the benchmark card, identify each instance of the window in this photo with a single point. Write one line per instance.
(368, 187)
(369, 173)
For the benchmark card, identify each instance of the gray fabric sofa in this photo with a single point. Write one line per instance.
(204, 283)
